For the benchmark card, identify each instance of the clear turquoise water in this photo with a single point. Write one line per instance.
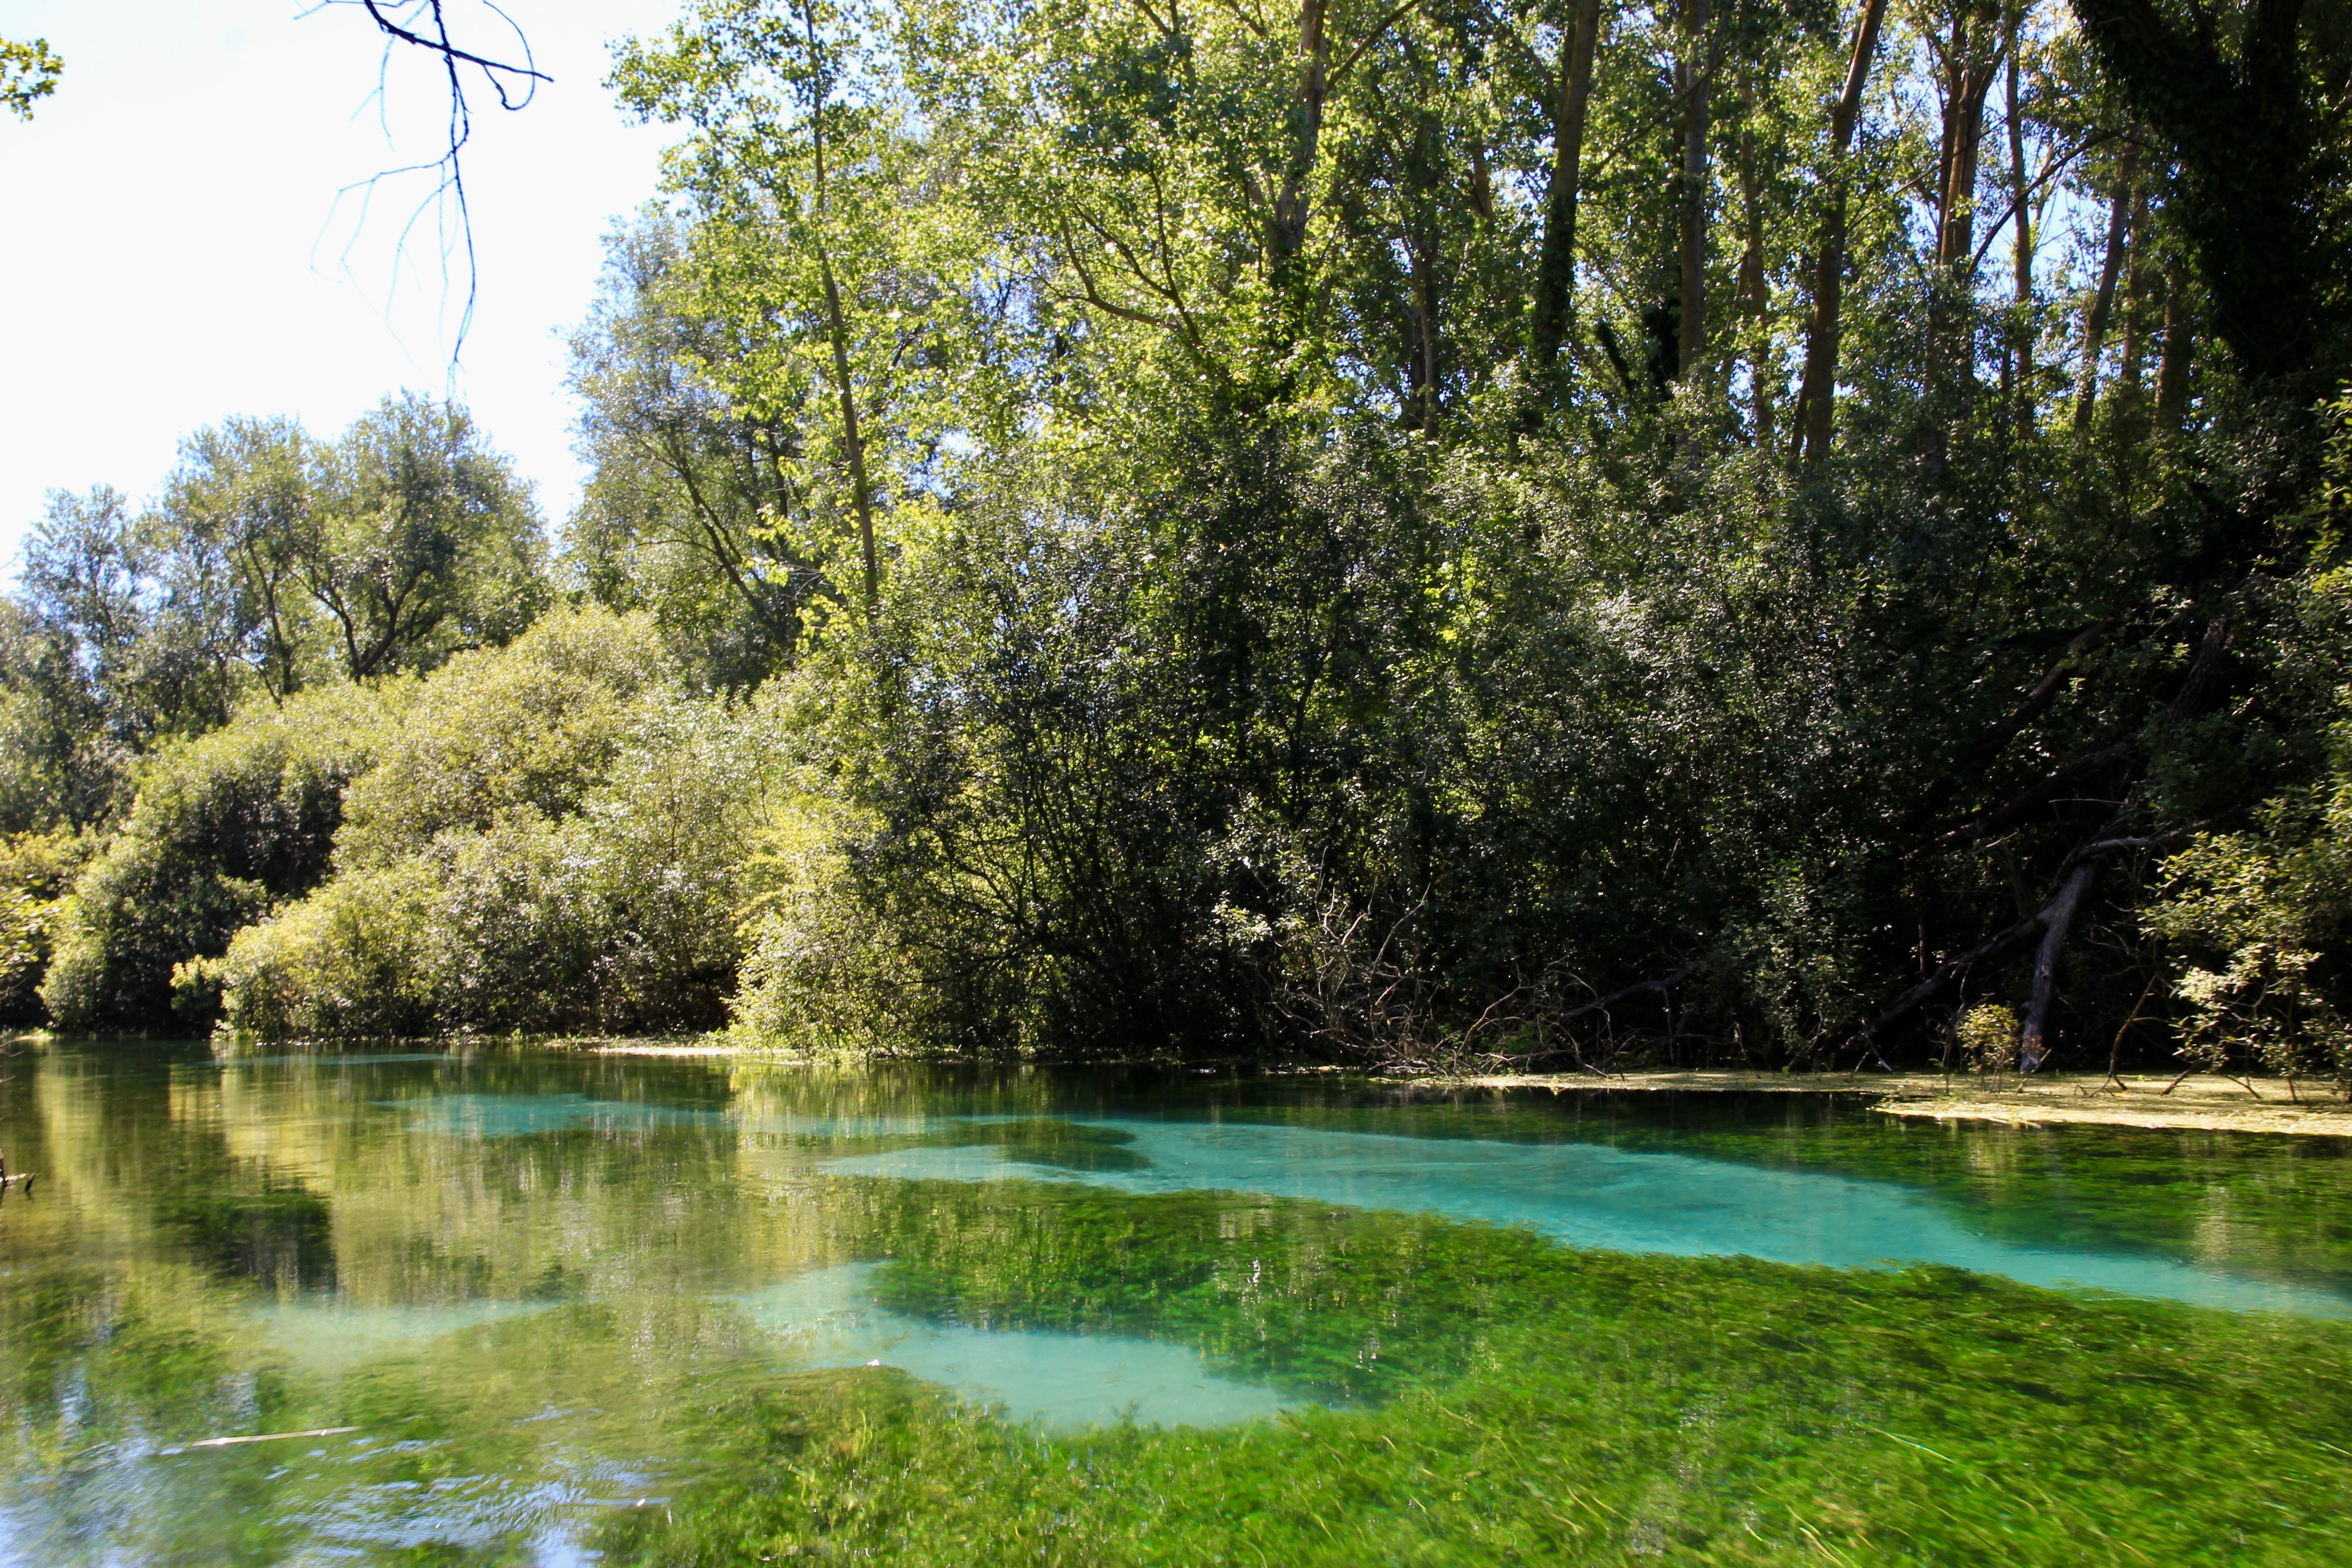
(1595, 1195)
(517, 1274)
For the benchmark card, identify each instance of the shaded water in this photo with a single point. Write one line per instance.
(523, 1281)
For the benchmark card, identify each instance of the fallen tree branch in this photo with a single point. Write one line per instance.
(1946, 973)
(2057, 917)
(2045, 691)
(2019, 807)
(1988, 746)
(1661, 985)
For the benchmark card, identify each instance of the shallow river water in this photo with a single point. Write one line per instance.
(513, 1305)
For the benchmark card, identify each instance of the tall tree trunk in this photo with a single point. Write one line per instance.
(1755, 293)
(2095, 325)
(853, 442)
(2172, 369)
(1555, 297)
(2021, 335)
(1951, 339)
(1957, 252)
(1294, 203)
(1698, 73)
(1816, 392)
(2136, 281)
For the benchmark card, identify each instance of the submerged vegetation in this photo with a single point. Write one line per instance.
(528, 1282)
(1770, 533)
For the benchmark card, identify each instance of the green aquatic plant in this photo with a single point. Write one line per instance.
(1531, 1404)
(547, 1266)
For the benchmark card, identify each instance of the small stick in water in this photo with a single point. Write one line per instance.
(263, 1438)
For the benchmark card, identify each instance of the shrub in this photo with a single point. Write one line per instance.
(555, 841)
(1986, 1035)
(528, 728)
(35, 869)
(221, 827)
(2260, 929)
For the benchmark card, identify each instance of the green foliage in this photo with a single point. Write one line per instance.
(221, 827)
(35, 869)
(1293, 533)
(59, 764)
(29, 72)
(2262, 925)
(1269, 652)
(523, 733)
(696, 511)
(420, 541)
(1987, 1035)
(554, 840)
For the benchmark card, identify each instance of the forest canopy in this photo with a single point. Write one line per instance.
(1546, 531)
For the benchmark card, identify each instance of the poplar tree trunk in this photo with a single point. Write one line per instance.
(1951, 339)
(2172, 369)
(1817, 393)
(2095, 325)
(1287, 224)
(1697, 80)
(1763, 369)
(2023, 410)
(2128, 399)
(1554, 296)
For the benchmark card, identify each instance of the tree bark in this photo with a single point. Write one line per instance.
(2127, 378)
(1951, 341)
(1816, 392)
(1755, 295)
(2057, 920)
(1698, 73)
(2172, 366)
(2023, 410)
(853, 442)
(1287, 224)
(2094, 324)
(1554, 296)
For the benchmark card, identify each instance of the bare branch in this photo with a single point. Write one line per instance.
(425, 25)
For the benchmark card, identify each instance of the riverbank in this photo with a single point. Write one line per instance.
(2200, 1102)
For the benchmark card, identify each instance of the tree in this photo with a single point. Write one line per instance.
(798, 168)
(237, 511)
(699, 511)
(419, 541)
(2243, 124)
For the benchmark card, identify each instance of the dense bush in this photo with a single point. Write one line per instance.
(554, 840)
(2258, 921)
(222, 827)
(35, 869)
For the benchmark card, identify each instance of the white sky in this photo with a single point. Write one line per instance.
(174, 252)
